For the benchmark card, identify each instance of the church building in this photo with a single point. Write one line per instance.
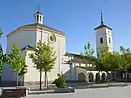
(72, 65)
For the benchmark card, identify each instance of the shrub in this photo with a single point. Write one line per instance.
(60, 81)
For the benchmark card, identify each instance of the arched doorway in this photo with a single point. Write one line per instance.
(97, 77)
(81, 77)
(91, 77)
(113, 76)
(103, 77)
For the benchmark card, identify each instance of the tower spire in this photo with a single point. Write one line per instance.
(102, 18)
(38, 8)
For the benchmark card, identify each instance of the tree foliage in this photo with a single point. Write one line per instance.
(89, 51)
(3, 59)
(104, 59)
(114, 61)
(125, 62)
(16, 61)
(88, 54)
(44, 58)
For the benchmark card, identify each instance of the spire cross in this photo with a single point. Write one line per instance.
(102, 18)
(38, 7)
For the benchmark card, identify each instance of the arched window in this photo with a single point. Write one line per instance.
(37, 17)
(101, 40)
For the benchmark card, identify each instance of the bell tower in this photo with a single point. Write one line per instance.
(103, 37)
(38, 17)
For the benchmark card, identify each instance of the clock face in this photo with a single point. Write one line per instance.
(52, 38)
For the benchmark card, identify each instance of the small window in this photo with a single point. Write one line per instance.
(37, 17)
(109, 40)
(101, 40)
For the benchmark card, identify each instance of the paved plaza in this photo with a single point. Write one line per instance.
(106, 92)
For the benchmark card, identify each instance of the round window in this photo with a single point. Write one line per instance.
(52, 38)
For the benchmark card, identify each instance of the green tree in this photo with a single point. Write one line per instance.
(3, 60)
(125, 58)
(125, 63)
(105, 60)
(98, 64)
(3, 57)
(89, 56)
(17, 62)
(115, 61)
(44, 58)
(89, 51)
(112, 61)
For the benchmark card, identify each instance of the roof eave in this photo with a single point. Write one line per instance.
(104, 26)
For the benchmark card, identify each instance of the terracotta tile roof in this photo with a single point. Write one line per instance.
(102, 26)
(77, 58)
(87, 68)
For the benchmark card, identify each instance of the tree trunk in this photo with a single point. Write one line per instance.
(125, 77)
(108, 78)
(16, 79)
(47, 81)
(21, 81)
(40, 78)
(45, 78)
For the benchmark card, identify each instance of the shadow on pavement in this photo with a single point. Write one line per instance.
(46, 92)
(104, 86)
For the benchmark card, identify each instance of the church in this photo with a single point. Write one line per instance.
(72, 65)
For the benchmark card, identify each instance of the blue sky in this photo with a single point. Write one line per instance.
(77, 18)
